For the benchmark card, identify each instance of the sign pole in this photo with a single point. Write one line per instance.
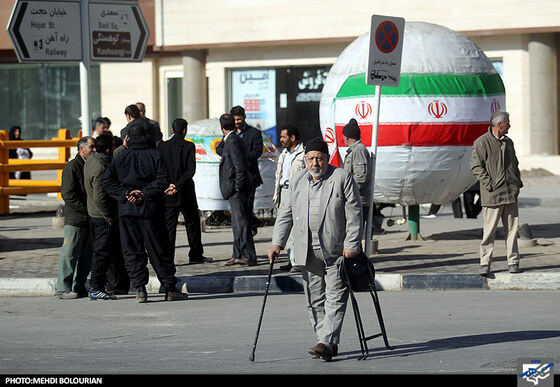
(85, 71)
(374, 131)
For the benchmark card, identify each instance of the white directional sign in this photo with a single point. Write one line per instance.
(46, 31)
(118, 32)
(385, 51)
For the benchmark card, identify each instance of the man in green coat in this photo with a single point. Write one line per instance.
(107, 264)
(496, 167)
(75, 256)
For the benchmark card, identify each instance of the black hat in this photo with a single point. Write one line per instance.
(352, 130)
(317, 144)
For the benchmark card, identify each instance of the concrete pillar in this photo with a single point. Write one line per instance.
(543, 94)
(195, 106)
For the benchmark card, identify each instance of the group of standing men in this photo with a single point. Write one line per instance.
(320, 217)
(121, 211)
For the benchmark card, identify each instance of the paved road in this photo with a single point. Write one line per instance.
(434, 332)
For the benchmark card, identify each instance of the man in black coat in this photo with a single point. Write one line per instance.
(236, 188)
(134, 117)
(75, 256)
(252, 137)
(179, 158)
(137, 179)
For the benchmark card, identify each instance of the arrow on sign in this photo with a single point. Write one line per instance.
(143, 40)
(16, 32)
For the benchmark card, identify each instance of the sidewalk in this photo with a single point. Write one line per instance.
(446, 257)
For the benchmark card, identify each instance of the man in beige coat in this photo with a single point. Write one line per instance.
(495, 165)
(324, 211)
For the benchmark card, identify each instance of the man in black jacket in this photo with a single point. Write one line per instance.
(133, 116)
(137, 179)
(179, 158)
(252, 137)
(75, 256)
(236, 188)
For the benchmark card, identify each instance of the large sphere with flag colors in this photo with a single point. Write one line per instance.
(427, 124)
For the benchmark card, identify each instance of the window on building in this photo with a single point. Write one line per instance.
(273, 97)
(498, 65)
(174, 85)
(43, 98)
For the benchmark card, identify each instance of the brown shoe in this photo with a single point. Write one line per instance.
(245, 261)
(231, 262)
(175, 295)
(322, 351)
(141, 295)
(334, 348)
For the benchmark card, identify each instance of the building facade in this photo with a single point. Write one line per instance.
(273, 57)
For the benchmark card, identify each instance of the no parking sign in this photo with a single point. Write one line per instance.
(385, 51)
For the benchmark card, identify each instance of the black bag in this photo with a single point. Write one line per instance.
(358, 271)
(358, 275)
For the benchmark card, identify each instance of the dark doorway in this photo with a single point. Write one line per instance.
(298, 95)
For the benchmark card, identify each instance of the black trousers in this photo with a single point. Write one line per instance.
(472, 208)
(243, 244)
(107, 263)
(192, 226)
(140, 235)
(253, 220)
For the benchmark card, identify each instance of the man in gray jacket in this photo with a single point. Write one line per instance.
(325, 213)
(358, 162)
(496, 167)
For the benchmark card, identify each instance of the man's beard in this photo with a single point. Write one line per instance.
(316, 173)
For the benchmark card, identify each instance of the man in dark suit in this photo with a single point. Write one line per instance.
(179, 158)
(252, 137)
(236, 188)
(133, 117)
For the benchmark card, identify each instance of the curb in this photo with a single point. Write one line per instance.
(294, 284)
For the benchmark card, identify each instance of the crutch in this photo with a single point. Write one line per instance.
(373, 292)
(252, 357)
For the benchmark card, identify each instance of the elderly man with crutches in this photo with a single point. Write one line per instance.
(325, 213)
